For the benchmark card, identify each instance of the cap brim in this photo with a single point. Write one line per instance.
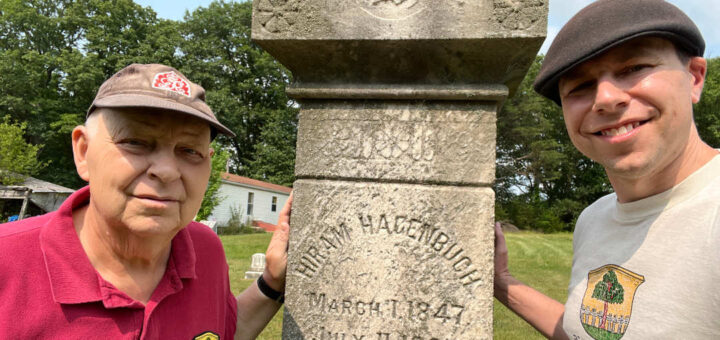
(138, 100)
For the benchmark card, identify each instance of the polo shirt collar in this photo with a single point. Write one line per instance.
(73, 278)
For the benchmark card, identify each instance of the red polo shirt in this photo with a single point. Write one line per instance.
(49, 289)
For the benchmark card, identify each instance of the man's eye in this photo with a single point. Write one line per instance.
(135, 143)
(580, 87)
(635, 68)
(192, 152)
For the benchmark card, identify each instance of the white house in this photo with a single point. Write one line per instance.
(256, 201)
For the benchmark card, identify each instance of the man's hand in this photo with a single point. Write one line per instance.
(540, 311)
(276, 254)
(255, 309)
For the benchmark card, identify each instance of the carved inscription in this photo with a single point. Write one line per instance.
(278, 15)
(385, 141)
(518, 14)
(414, 310)
(391, 9)
(326, 334)
(317, 251)
(429, 235)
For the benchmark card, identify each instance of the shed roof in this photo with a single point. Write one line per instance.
(255, 183)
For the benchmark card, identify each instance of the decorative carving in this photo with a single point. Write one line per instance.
(517, 14)
(391, 9)
(278, 15)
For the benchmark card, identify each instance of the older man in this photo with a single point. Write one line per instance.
(121, 258)
(646, 260)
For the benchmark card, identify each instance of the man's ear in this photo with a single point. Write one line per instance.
(697, 66)
(80, 144)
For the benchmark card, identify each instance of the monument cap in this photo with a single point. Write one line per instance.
(156, 86)
(607, 23)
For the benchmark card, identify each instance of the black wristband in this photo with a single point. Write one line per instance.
(272, 294)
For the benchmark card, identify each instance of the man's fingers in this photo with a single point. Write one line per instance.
(285, 211)
(499, 237)
(280, 236)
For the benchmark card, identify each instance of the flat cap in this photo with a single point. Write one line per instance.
(156, 86)
(607, 23)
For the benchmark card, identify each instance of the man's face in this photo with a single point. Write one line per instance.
(630, 109)
(148, 171)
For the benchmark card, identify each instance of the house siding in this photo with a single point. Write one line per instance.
(234, 195)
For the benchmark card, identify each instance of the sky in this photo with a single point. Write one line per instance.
(702, 12)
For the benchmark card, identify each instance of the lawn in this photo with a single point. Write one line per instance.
(541, 260)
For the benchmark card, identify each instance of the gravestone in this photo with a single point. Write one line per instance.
(392, 226)
(257, 266)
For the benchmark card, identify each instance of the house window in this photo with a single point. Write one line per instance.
(273, 207)
(250, 203)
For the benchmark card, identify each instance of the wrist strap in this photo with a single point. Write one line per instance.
(272, 294)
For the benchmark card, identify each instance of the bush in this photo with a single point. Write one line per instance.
(235, 225)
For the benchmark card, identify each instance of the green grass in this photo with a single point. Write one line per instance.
(541, 260)
(238, 250)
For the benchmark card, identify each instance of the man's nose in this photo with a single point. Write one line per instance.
(610, 96)
(164, 166)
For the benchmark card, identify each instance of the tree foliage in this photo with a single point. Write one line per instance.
(707, 111)
(54, 55)
(212, 198)
(18, 158)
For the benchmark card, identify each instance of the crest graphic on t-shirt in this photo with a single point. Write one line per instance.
(207, 336)
(607, 304)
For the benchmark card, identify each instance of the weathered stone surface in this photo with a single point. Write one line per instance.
(390, 19)
(382, 261)
(430, 142)
(402, 41)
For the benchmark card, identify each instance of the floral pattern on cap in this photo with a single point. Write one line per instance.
(170, 81)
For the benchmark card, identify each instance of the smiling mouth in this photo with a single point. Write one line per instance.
(619, 131)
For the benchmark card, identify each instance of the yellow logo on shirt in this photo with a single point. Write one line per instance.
(207, 336)
(607, 304)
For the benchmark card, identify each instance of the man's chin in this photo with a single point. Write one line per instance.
(155, 225)
(628, 168)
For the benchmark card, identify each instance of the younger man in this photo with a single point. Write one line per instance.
(646, 258)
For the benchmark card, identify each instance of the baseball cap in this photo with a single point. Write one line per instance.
(156, 86)
(605, 24)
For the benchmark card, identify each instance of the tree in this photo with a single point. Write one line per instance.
(707, 111)
(275, 151)
(18, 159)
(212, 198)
(609, 290)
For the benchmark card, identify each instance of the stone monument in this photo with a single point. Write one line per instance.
(392, 225)
(257, 266)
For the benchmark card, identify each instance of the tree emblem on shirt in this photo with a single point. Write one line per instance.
(608, 290)
(607, 304)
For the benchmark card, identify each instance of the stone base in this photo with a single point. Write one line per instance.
(252, 275)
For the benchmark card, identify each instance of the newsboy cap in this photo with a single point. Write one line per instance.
(607, 23)
(156, 86)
